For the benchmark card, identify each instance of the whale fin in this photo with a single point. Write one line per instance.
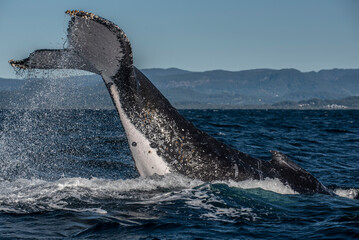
(289, 172)
(53, 59)
(280, 159)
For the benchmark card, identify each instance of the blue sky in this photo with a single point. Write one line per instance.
(199, 35)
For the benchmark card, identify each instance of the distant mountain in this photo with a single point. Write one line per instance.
(258, 88)
(262, 86)
(156, 72)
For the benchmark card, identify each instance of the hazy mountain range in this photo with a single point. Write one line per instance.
(259, 88)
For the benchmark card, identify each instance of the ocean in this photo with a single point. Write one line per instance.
(68, 174)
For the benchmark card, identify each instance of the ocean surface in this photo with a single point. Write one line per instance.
(68, 174)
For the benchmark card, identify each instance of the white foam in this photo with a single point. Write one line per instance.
(31, 195)
(38, 194)
(215, 208)
(347, 193)
(274, 185)
(229, 214)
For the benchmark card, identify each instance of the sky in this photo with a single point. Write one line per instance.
(198, 35)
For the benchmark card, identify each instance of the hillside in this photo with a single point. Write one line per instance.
(259, 88)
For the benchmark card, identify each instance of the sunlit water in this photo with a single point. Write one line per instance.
(69, 174)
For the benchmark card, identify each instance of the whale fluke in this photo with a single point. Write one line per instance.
(53, 59)
(160, 139)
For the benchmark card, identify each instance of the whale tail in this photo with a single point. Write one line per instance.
(95, 45)
(53, 59)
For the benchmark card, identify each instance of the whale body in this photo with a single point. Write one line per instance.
(160, 139)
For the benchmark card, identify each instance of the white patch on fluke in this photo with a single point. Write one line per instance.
(146, 159)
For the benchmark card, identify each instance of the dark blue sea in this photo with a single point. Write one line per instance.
(68, 174)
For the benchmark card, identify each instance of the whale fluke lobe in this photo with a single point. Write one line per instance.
(160, 139)
(100, 42)
(54, 59)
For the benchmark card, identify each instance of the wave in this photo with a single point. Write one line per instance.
(274, 185)
(337, 130)
(31, 195)
(77, 194)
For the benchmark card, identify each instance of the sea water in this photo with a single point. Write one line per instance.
(69, 174)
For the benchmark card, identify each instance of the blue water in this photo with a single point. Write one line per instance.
(69, 174)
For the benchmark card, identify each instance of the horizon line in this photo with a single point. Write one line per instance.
(212, 70)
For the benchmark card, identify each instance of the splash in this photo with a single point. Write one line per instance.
(352, 193)
(274, 185)
(25, 134)
(33, 195)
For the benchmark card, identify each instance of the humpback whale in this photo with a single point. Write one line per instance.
(161, 140)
